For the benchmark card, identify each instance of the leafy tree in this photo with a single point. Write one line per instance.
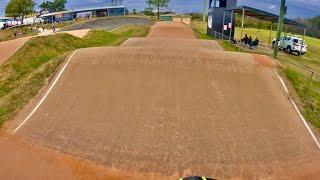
(54, 6)
(47, 6)
(19, 8)
(158, 4)
(148, 11)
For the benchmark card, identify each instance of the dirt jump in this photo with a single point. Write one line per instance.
(171, 111)
(8, 48)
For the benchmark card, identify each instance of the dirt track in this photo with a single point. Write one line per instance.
(8, 48)
(171, 30)
(175, 111)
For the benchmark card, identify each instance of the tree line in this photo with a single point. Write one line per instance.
(23, 8)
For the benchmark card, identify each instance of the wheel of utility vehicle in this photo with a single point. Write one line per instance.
(288, 50)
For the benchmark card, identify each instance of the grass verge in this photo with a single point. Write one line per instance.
(200, 33)
(228, 46)
(309, 94)
(8, 34)
(199, 30)
(26, 72)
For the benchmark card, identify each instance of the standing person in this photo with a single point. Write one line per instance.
(245, 39)
(43, 29)
(15, 32)
(53, 28)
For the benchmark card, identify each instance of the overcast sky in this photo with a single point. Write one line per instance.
(296, 8)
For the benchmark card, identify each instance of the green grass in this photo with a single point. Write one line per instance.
(199, 30)
(310, 60)
(26, 72)
(8, 34)
(308, 92)
(59, 25)
(228, 46)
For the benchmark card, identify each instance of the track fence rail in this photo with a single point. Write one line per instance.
(310, 74)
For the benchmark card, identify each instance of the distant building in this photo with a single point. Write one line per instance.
(92, 12)
(3, 21)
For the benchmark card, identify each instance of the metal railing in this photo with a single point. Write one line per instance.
(309, 73)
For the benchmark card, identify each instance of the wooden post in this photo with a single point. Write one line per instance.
(224, 17)
(242, 23)
(304, 34)
(271, 29)
(230, 33)
(204, 15)
(280, 26)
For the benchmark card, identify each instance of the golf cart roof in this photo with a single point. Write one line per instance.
(267, 16)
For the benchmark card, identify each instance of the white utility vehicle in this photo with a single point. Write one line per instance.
(291, 44)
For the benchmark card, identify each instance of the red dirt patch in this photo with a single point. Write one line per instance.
(263, 60)
(8, 48)
(24, 160)
(171, 30)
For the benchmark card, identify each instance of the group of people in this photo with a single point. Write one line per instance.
(248, 41)
(53, 27)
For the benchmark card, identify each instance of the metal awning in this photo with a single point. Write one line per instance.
(263, 15)
(96, 8)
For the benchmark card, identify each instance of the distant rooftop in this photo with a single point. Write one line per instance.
(5, 18)
(96, 8)
(249, 11)
(55, 13)
(81, 10)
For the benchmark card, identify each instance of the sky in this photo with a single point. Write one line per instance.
(296, 8)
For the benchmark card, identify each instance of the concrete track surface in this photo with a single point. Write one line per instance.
(175, 110)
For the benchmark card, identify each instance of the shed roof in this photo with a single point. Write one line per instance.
(55, 13)
(5, 18)
(249, 11)
(81, 10)
(96, 8)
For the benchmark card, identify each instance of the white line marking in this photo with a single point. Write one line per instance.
(283, 84)
(47, 93)
(299, 113)
(305, 123)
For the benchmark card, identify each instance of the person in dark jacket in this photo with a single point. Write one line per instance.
(255, 43)
(245, 39)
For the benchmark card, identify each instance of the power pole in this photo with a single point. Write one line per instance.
(158, 8)
(280, 27)
(204, 14)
